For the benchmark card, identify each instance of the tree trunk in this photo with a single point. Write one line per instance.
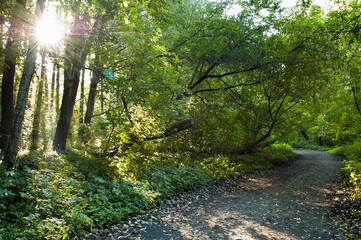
(355, 92)
(82, 96)
(101, 97)
(52, 90)
(304, 135)
(7, 92)
(320, 140)
(46, 112)
(91, 102)
(73, 66)
(91, 97)
(38, 106)
(57, 88)
(258, 144)
(2, 23)
(29, 66)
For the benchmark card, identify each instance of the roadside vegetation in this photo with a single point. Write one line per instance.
(347, 203)
(64, 195)
(134, 101)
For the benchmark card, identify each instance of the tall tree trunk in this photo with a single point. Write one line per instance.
(81, 107)
(7, 87)
(52, 90)
(2, 23)
(305, 136)
(57, 88)
(82, 96)
(92, 94)
(72, 69)
(45, 114)
(320, 141)
(91, 102)
(355, 92)
(101, 97)
(29, 66)
(38, 106)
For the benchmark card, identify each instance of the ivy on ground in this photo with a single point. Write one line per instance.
(58, 197)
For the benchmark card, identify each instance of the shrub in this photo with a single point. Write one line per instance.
(58, 201)
(352, 168)
(68, 194)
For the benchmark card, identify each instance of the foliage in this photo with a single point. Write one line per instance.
(64, 195)
(246, 80)
(340, 151)
(58, 200)
(352, 168)
(308, 145)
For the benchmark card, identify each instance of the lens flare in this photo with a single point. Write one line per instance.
(49, 31)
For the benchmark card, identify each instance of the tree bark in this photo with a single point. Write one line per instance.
(57, 88)
(7, 93)
(355, 91)
(101, 97)
(82, 96)
(38, 106)
(258, 144)
(320, 141)
(304, 135)
(73, 66)
(91, 96)
(29, 66)
(52, 89)
(172, 130)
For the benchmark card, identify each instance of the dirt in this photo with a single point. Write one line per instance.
(287, 202)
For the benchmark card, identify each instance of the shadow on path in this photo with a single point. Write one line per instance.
(288, 202)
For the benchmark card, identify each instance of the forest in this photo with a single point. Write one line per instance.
(110, 106)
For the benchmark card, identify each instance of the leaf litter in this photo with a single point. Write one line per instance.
(295, 201)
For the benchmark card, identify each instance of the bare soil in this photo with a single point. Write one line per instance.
(288, 202)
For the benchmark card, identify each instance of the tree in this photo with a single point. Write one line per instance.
(96, 74)
(76, 52)
(12, 50)
(29, 66)
(39, 103)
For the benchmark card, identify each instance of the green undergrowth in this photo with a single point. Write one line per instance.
(310, 146)
(65, 195)
(351, 170)
(352, 166)
(352, 160)
(352, 176)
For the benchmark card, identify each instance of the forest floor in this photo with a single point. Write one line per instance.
(293, 201)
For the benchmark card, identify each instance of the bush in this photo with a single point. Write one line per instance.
(65, 195)
(341, 151)
(58, 201)
(352, 168)
(311, 146)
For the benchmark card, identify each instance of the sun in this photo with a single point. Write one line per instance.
(49, 31)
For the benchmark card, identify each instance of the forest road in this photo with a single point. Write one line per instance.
(287, 202)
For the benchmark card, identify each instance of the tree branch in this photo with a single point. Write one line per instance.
(226, 88)
(173, 129)
(206, 76)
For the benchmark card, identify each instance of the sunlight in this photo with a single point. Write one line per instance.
(49, 31)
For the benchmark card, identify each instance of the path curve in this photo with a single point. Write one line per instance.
(288, 202)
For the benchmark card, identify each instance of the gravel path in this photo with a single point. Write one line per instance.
(288, 202)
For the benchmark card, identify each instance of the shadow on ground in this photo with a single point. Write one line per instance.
(288, 202)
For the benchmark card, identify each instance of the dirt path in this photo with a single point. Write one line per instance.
(289, 202)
